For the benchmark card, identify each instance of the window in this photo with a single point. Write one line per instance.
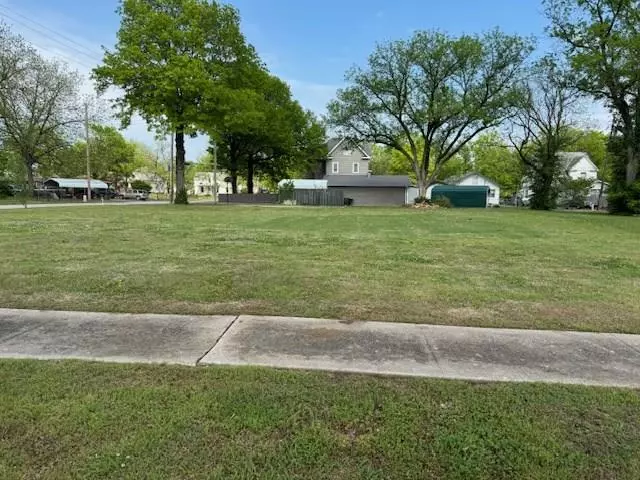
(347, 153)
(356, 167)
(583, 174)
(492, 194)
(201, 188)
(335, 167)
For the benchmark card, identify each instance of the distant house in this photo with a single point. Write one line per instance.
(347, 168)
(576, 165)
(474, 179)
(204, 184)
(158, 183)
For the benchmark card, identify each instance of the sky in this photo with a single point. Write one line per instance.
(310, 44)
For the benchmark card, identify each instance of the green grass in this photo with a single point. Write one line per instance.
(506, 267)
(81, 420)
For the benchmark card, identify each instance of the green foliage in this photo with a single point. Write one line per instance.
(544, 123)
(602, 42)
(419, 200)
(267, 133)
(40, 111)
(141, 185)
(6, 189)
(574, 193)
(427, 97)
(443, 202)
(595, 144)
(286, 191)
(495, 160)
(174, 61)
(623, 199)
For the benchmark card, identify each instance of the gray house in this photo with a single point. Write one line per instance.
(347, 168)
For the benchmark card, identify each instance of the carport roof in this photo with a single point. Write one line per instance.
(379, 181)
(77, 183)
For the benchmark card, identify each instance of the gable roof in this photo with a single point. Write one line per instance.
(77, 183)
(333, 143)
(456, 180)
(379, 181)
(570, 159)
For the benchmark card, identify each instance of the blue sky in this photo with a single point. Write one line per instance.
(308, 43)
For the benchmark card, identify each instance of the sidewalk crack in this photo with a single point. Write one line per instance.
(215, 344)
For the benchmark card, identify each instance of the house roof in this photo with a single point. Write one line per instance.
(569, 159)
(304, 184)
(77, 183)
(334, 143)
(379, 181)
(456, 180)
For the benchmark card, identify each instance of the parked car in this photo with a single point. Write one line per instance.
(134, 195)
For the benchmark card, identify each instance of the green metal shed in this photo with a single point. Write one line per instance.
(462, 196)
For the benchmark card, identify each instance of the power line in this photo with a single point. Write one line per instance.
(49, 37)
(14, 12)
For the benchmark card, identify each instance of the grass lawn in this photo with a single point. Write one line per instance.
(503, 267)
(82, 420)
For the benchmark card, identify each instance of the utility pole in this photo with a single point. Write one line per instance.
(171, 170)
(86, 133)
(215, 172)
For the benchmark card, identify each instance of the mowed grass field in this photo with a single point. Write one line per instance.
(502, 267)
(62, 420)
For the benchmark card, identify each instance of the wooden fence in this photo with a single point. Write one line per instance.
(325, 198)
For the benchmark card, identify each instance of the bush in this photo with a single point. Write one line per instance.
(286, 192)
(348, 202)
(420, 200)
(141, 185)
(625, 200)
(6, 190)
(443, 202)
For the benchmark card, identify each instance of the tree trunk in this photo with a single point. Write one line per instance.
(181, 190)
(250, 173)
(31, 183)
(632, 165)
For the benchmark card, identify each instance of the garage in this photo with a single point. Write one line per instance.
(372, 190)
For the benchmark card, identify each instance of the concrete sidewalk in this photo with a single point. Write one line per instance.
(365, 347)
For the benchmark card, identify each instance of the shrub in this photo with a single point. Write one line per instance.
(141, 185)
(420, 200)
(286, 191)
(443, 202)
(625, 200)
(6, 190)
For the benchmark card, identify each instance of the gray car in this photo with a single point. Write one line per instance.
(134, 195)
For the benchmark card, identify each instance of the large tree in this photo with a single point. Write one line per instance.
(542, 129)
(602, 42)
(40, 110)
(429, 96)
(265, 132)
(170, 55)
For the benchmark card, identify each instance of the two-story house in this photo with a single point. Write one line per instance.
(346, 168)
(575, 165)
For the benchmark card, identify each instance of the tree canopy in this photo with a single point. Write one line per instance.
(602, 43)
(40, 111)
(171, 58)
(429, 96)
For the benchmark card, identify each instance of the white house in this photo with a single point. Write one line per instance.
(576, 165)
(475, 179)
(158, 184)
